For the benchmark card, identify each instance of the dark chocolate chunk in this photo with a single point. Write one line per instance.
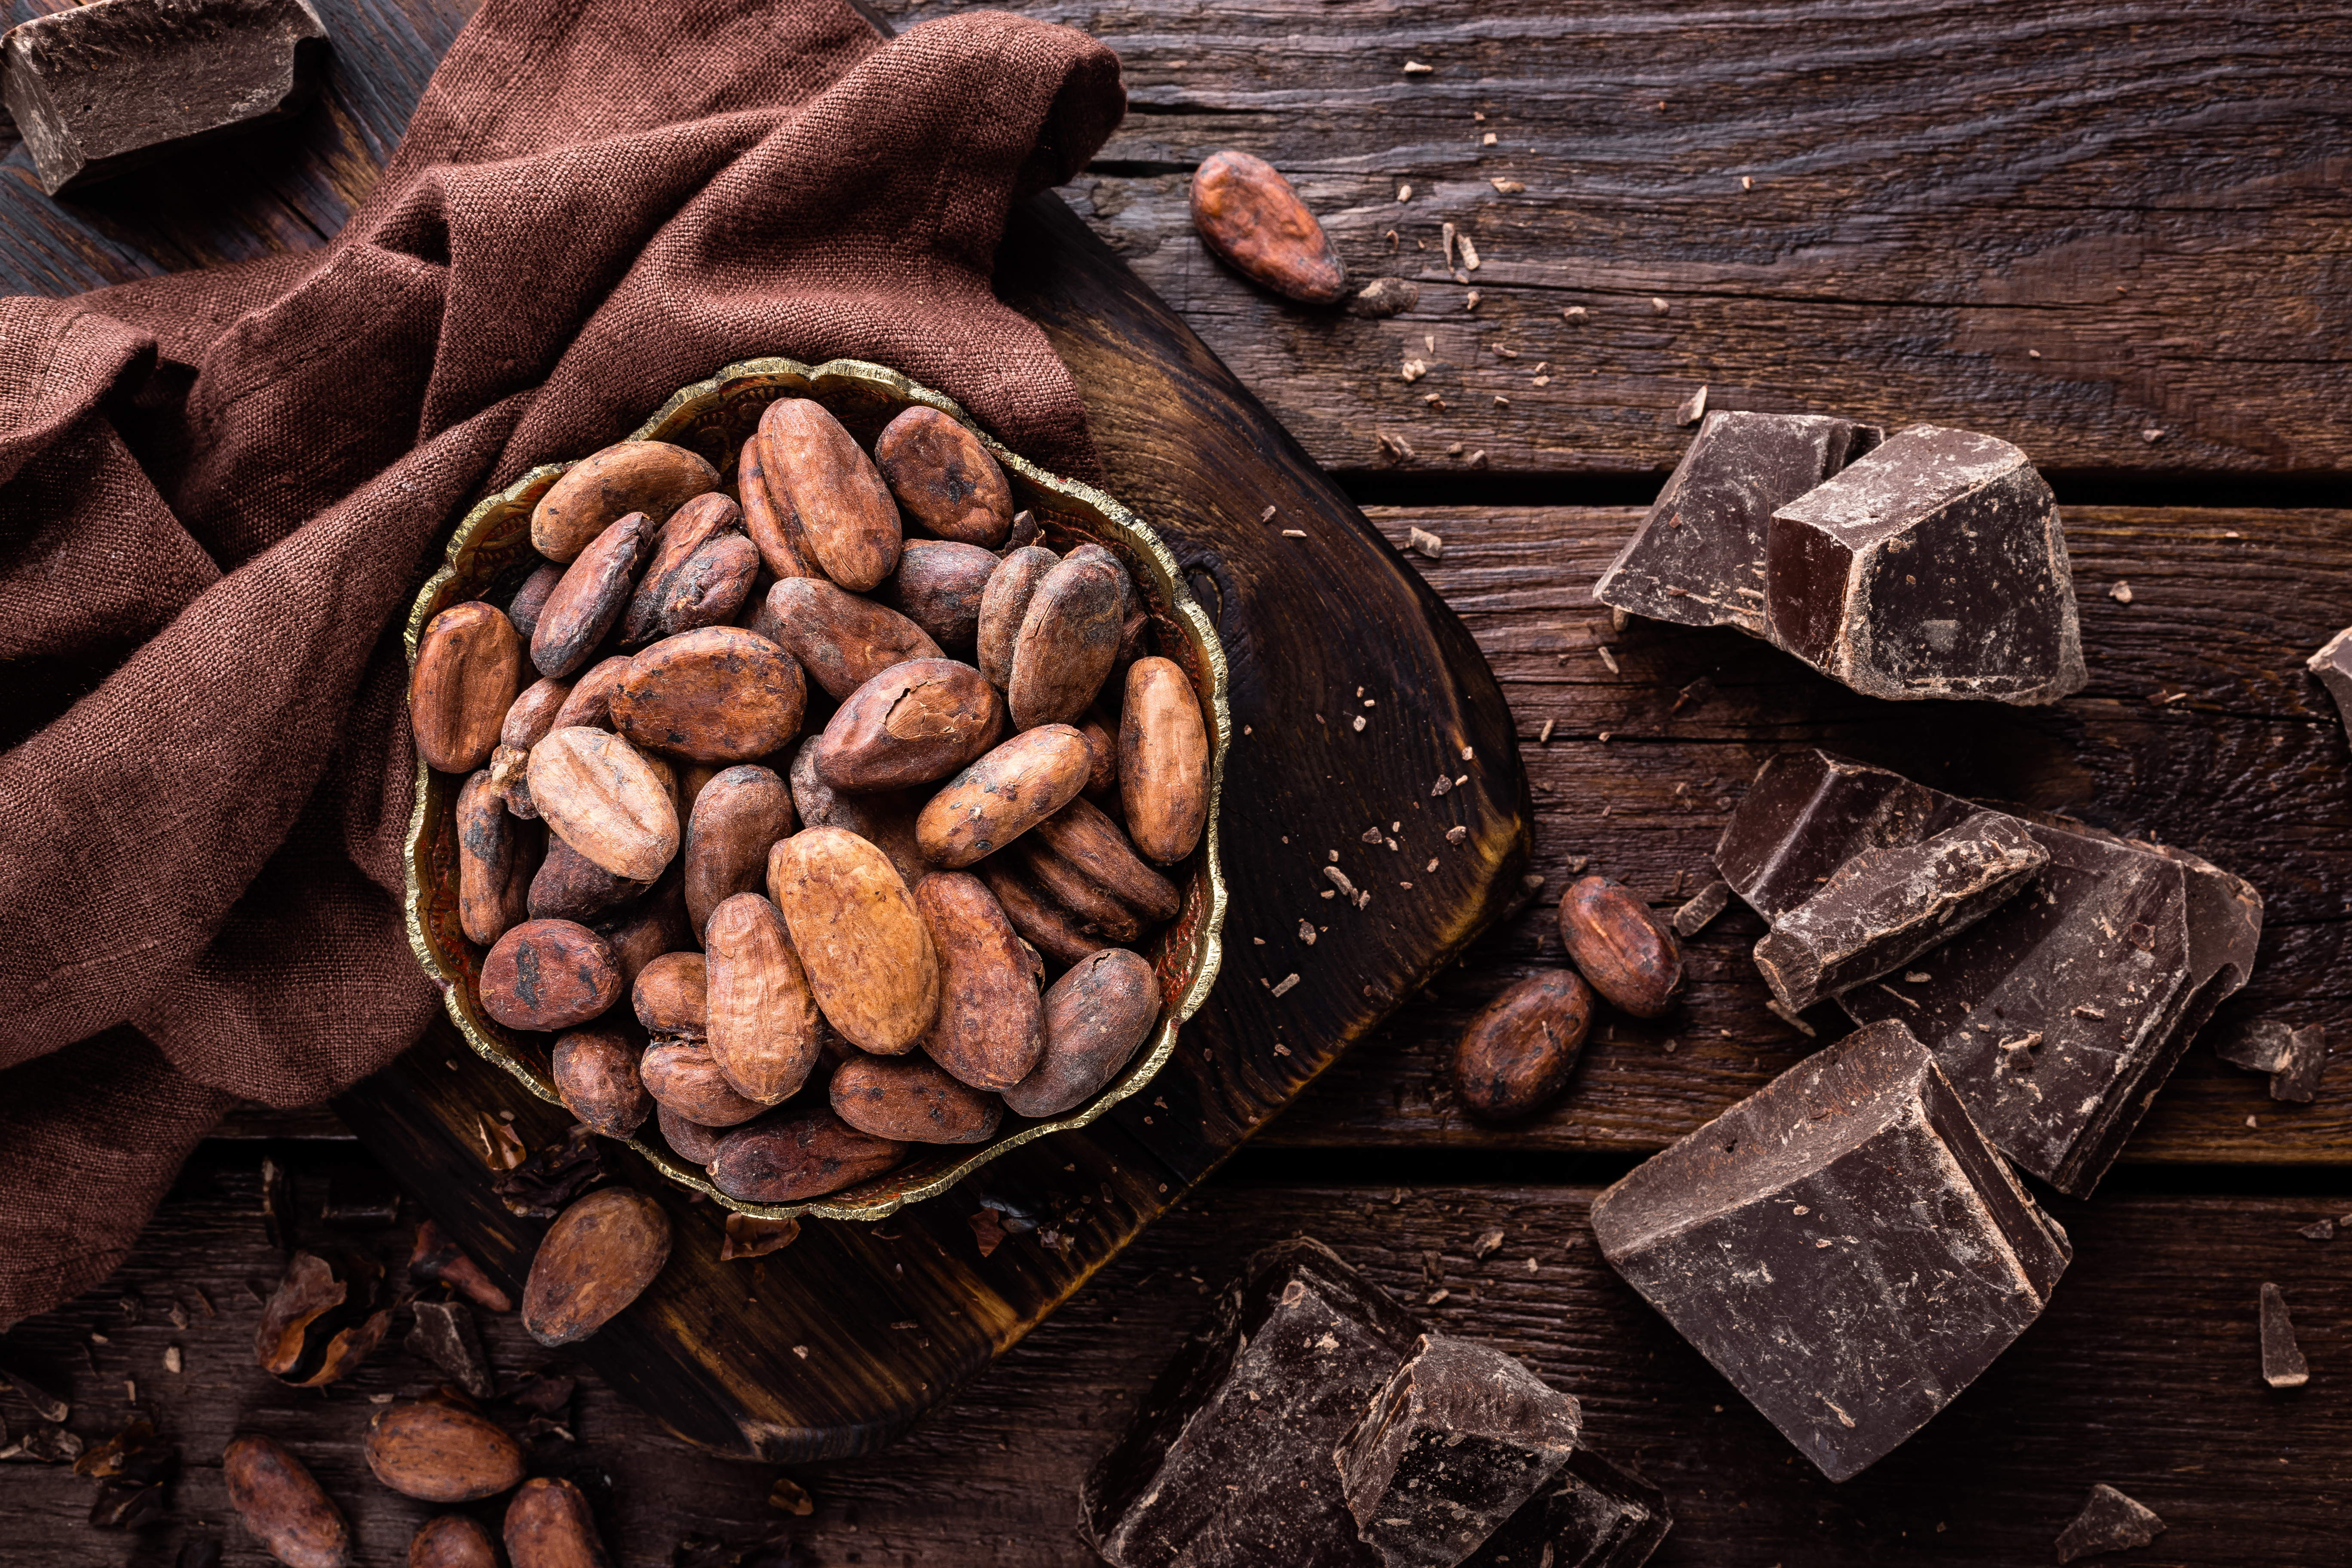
(2057, 1017)
(1887, 906)
(2282, 1362)
(2297, 1077)
(1844, 1244)
(1460, 1437)
(1933, 567)
(1594, 1514)
(97, 91)
(2259, 1046)
(2333, 664)
(2109, 1522)
(1698, 557)
(1709, 902)
(446, 1336)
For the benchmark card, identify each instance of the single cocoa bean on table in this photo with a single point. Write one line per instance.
(524, 607)
(439, 1452)
(550, 1525)
(868, 958)
(595, 1073)
(588, 603)
(651, 476)
(1247, 214)
(842, 641)
(717, 694)
(762, 1020)
(548, 974)
(991, 1026)
(283, 1506)
(608, 801)
(494, 878)
(1096, 1017)
(1623, 950)
(569, 886)
(702, 521)
(685, 1077)
(670, 997)
(1163, 761)
(784, 1158)
(597, 1257)
(468, 669)
(911, 1100)
(913, 723)
(1069, 636)
(1003, 795)
(452, 1541)
(940, 586)
(848, 518)
(944, 478)
(1518, 1052)
(1004, 604)
(737, 816)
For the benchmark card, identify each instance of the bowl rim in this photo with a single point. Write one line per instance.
(857, 377)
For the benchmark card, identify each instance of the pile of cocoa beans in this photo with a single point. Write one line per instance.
(807, 930)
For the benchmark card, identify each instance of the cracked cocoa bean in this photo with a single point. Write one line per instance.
(1004, 604)
(700, 522)
(914, 723)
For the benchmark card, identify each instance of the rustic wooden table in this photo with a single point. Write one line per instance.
(2119, 237)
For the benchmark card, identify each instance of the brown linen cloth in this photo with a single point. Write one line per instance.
(219, 492)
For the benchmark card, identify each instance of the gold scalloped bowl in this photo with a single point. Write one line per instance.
(491, 552)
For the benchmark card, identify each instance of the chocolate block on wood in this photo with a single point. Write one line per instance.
(99, 90)
(1462, 1435)
(1844, 1244)
(1887, 906)
(1933, 567)
(1229, 1461)
(1698, 557)
(2058, 1015)
(1594, 1514)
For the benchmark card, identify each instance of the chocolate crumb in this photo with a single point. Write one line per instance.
(2109, 1522)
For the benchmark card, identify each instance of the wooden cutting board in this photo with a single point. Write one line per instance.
(1367, 728)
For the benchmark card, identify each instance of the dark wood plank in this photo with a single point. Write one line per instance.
(1941, 193)
(1351, 688)
(2201, 726)
(2143, 1374)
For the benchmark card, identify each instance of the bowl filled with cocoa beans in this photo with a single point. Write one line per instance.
(814, 795)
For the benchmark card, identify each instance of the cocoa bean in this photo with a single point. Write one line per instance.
(1623, 950)
(685, 1077)
(1004, 604)
(532, 713)
(599, 796)
(689, 1139)
(1068, 636)
(494, 876)
(774, 526)
(548, 974)
(588, 603)
(597, 1257)
(440, 1452)
(847, 520)
(1247, 213)
(786, 1159)
(642, 932)
(590, 704)
(842, 641)
(698, 522)
(510, 777)
(718, 694)
(550, 1525)
(1518, 1051)
(468, 669)
(1102, 747)
(452, 1541)
(738, 816)
(913, 723)
(1002, 796)
(1096, 1017)
(596, 1074)
(283, 1506)
(1097, 913)
(909, 1099)
(523, 610)
(991, 1026)
(939, 586)
(762, 1018)
(1163, 761)
(1092, 843)
(671, 997)
(1044, 924)
(710, 590)
(651, 476)
(571, 887)
(868, 960)
(945, 478)
(884, 818)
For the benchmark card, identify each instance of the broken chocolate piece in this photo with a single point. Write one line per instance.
(2298, 1074)
(1229, 1460)
(1933, 567)
(2333, 664)
(446, 1336)
(2109, 1522)
(1458, 1440)
(1708, 903)
(2282, 1362)
(2259, 1046)
(1698, 557)
(2057, 1017)
(100, 90)
(1844, 1244)
(1594, 1514)
(1886, 906)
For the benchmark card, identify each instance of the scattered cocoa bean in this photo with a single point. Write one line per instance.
(913, 723)
(1002, 796)
(596, 1074)
(735, 817)
(571, 887)
(868, 958)
(784, 1159)
(524, 607)
(939, 586)
(1247, 213)
(493, 876)
(1096, 1017)
(440, 1452)
(1069, 636)
(452, 1541)
(1624, 950)
(911, 1100)
(1521, 1047)
(597, 1257)
(548, 974)
(842, 641)
(283, 1506)
(762, 1018)
(1163, 761)
(847, 517)
(550, 1525)
(685, 1077)
(718, 694)
(945, 478)
(468, 669)
(1004, 605)
(670, 997)
(588, 603)
(651, 476)
(991, 1026)
(602, 797)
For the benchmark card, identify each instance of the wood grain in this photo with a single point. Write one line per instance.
(2144, 1374)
